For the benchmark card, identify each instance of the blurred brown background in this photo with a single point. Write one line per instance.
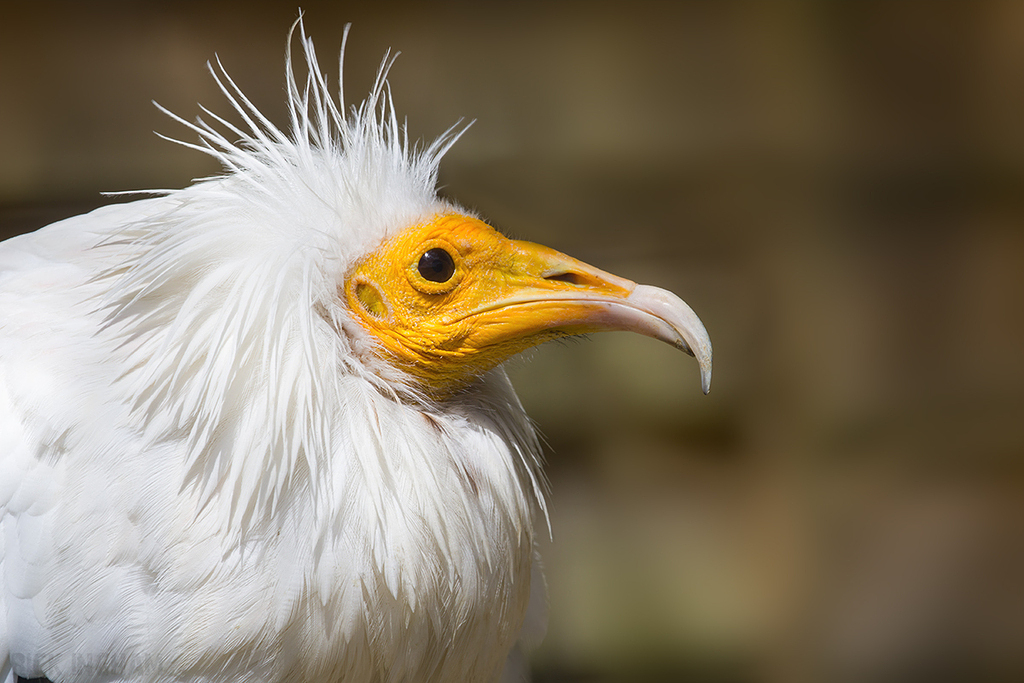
(836, 188)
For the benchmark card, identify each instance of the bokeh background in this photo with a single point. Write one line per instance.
(836, 188)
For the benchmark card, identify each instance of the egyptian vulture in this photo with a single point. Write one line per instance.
(257, 429)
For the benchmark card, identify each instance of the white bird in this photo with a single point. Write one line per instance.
(257, 429)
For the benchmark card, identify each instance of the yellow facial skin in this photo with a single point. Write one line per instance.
(499, 297)
(497, 302)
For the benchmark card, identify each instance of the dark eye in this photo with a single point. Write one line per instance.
(436, 265)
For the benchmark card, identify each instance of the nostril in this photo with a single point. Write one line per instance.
(570, 278)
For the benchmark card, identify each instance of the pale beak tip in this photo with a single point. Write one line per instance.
(703, 356)
(673, 321)
(705, 374)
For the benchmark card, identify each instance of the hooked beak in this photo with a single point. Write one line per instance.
(550, 294)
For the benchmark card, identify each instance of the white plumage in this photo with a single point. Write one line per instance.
(209, 471)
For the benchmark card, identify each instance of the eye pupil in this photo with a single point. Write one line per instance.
(436, 265)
